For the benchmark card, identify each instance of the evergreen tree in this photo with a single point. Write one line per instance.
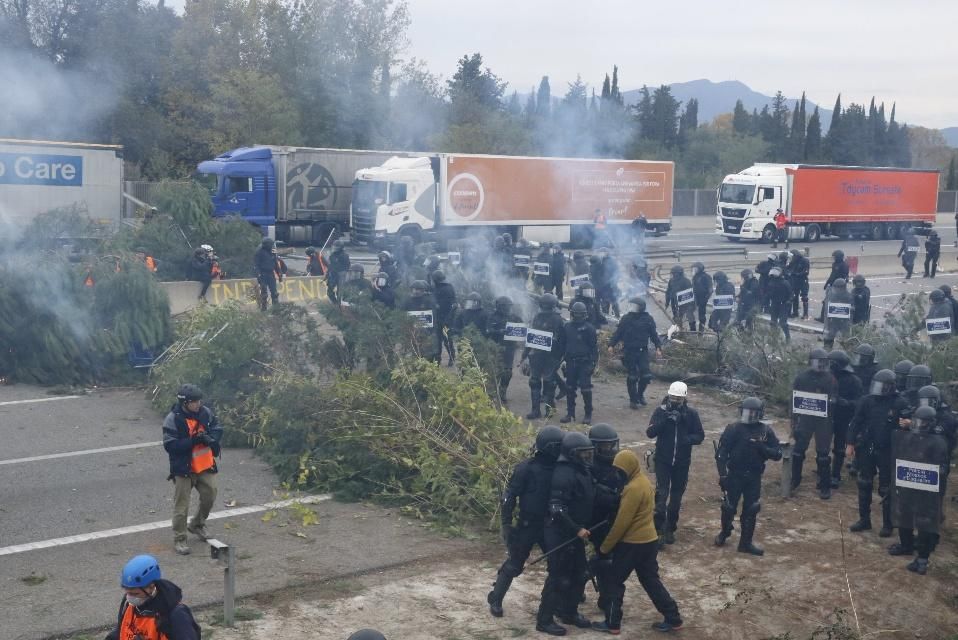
(777, 128)
(755, 123)
(689, 121)
(606, 90)
(813, 139)
(796, 134)
(615, 94)
(665, 117)
(740, 119)
(529, 112)
(951, 182)
(643, 113)
(544, 99)
(514, 107)
(834, 139)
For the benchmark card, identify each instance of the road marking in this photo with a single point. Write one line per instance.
(9, 402)
(150, 526)
(901, 277)
(85, 452)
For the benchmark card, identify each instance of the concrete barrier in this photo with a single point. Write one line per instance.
(185, 295)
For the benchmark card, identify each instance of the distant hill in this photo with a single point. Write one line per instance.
(951, 136)
(716, 98)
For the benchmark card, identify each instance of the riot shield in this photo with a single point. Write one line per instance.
(920, 467)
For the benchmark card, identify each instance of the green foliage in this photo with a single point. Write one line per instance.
(249, 106)
(187, 203)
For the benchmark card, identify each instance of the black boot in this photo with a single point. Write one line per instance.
(824, 469)
(499, 588)
(641, 390)
(886, 528)
(728, 516)
(804, 309)
(838, 459)
(632, 386)
(551, 628)
(570, 408)
(745, 541)
(798, 461)
(536, 402)
(864, 510)
(587, 405)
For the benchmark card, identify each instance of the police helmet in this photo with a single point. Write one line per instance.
(503, 304)
(840, 360)
(698, 267)
(606, 441)
(579, 312)
(775, 272)
(746, 274)
(753, 409)
(189, 393)
(839, 255)
(863, 355)
(946, 290)
(902, 369)
(438, 276)
(577, 449)
(310, 250)
(356, 272)
(772, 257)
(267, 243)
(936, 296)
(783, 257)
(924, 419)
(141, 571)
(366, 634)
(549, 441)
(818, 360)
(578, 255)
(385, 255)
(548, 302)
(339, 244)
(677, 270)
(796, 253)
(840, 283)
(933, 234)
(719, 276)
(419, 285)
(859, 280)
(507, 238)
(637, 304)
(586, 290)
(498, 242)
(883, 383)
(929, 396)
(472, 301)
(918, 377)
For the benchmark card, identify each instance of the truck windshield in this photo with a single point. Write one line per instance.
(209, 181)
(737, 193)
(397, 192)
(368, 194)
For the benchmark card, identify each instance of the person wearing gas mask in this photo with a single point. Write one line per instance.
(798, 270)
(917, 497)
(383, 292)
(471, 314)
(608, 487)
(446, 305)
(152, 608)
(702, 287)
(387, 265)
(813, 393)
(635, 331)
(849, 392)
(571, 497)
(585, 293)
(422, 307)
(908, 252)
(680, 298)
(838, 312)
(869, 440)
(902, 369)
(529, 487)
(749, 300)
(581, 357)
(676, 428)
(938, 321)
(354, 288)
(779, 300)
(541, 362)
(861, 301)
(863, 362)
(496, 331)
(631, 546)
(339, 264)
(722, 303)
(744, 448)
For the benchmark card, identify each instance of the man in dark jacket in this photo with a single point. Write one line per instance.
(580, 264)
(608, 488)
(387, 265)
(798, 270)
(722, 303)
(495, 330)
(813, 393)
(635, 331)
(542, 356)
(446, 306)
(421, 306)
(680, 298)
(581, 357)
(908, 252)
(530, 487)
(676, 428)
(585, 293)
(201, 269)
(265, 263)
(839, 272)
(932, 254)
(608, 286)
(762, 269)
(339, 264)
(471, 314)
(850, 391)
(749, 300)
(863, 362)
(861, 301)
(702, 287)
(383, 291)
(954, 307)
(191, 437)
(779, 300)
(557, 270)
(151, 607)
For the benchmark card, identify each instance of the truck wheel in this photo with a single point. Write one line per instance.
(894, 232)
(813, 233)
(733, 238)
(412, 233)
(768, 233)
(321, 232)
(877, 231)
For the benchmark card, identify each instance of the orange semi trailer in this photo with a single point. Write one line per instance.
(444, 195)
(873, 202)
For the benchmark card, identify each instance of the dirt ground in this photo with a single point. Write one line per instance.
(796, 590)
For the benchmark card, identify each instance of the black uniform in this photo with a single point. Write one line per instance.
(445, 295)
(749, 299)
(543, 282)
(596, 317)
(530, 485)
(581, 357)
(861, 304)
(570, 506)
(779, 301)
(836, 326)
(557, 273)
(932, 254)
(607, 484)
(424, 336)
(702, 286)
(201, 270)
(721, 318)
(839, 270)
(469, 318)
(580, 265)
(742, 452)
(265, 262)
(385, 296)
(865, 374)
(390, 268)
(686, 311)
(496, 331)
(608, 288)
(544, 365)
(635, 331)
(798, 269)
(804, 427)
(339, 264)
(762, 270)
(676, 431)
(876, 418)
(849, 393)
(908, 252)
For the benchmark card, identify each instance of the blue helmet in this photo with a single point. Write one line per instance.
(140, 572)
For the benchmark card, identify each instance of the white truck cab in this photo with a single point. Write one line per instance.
(397, 198)
(748, 200)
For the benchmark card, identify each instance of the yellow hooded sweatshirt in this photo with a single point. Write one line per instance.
(633, 521)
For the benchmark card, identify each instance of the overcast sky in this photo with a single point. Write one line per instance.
(897, 51)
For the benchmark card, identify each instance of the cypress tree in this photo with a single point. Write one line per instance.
(740, 119)
(544, 98)
(615, 94)
(951, 182)
(813, 139)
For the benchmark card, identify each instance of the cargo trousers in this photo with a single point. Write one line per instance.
(205, 485)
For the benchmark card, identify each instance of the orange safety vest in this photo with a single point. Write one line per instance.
(780, 221)
(202, 454)
(600, 221)
(150, 263)
(215, 271)
(89, 280)
(137, 627)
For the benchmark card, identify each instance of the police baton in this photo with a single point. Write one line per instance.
(566, 543)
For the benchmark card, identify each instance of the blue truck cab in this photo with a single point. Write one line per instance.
(243, 183)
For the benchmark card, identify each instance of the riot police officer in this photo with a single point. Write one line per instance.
(863, 362)
(471, 314)
(496, 331)
(838, 315)
(676, 428)
(521, 261)
(608, 285)
(908, 252)
(938, 321)
(680, 297)
(849, 392)
(529, 486)
(383, 291)
(932, 254)
(571, 499)
(876, 418)
(954, 307)
(635, 331)
(387, 265)
(608, 488)
(339, 264)
(421, 306)
(812, 417)
(742, 451)
(930, 396)
(542, 361)
(918, 377)
(722, 303)
(580, 264)
(585, 293)
(917, 498)
(861, 301)
(762, 269)
(839, 270)
(446, 305)
(798, 269)
(702, 288)
(354, 288)
(581, 357)
(779, 300)
(902, 369)
(749, 300)
(556, 270)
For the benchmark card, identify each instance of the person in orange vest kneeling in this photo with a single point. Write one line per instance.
(152, 608)
(191, 437)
